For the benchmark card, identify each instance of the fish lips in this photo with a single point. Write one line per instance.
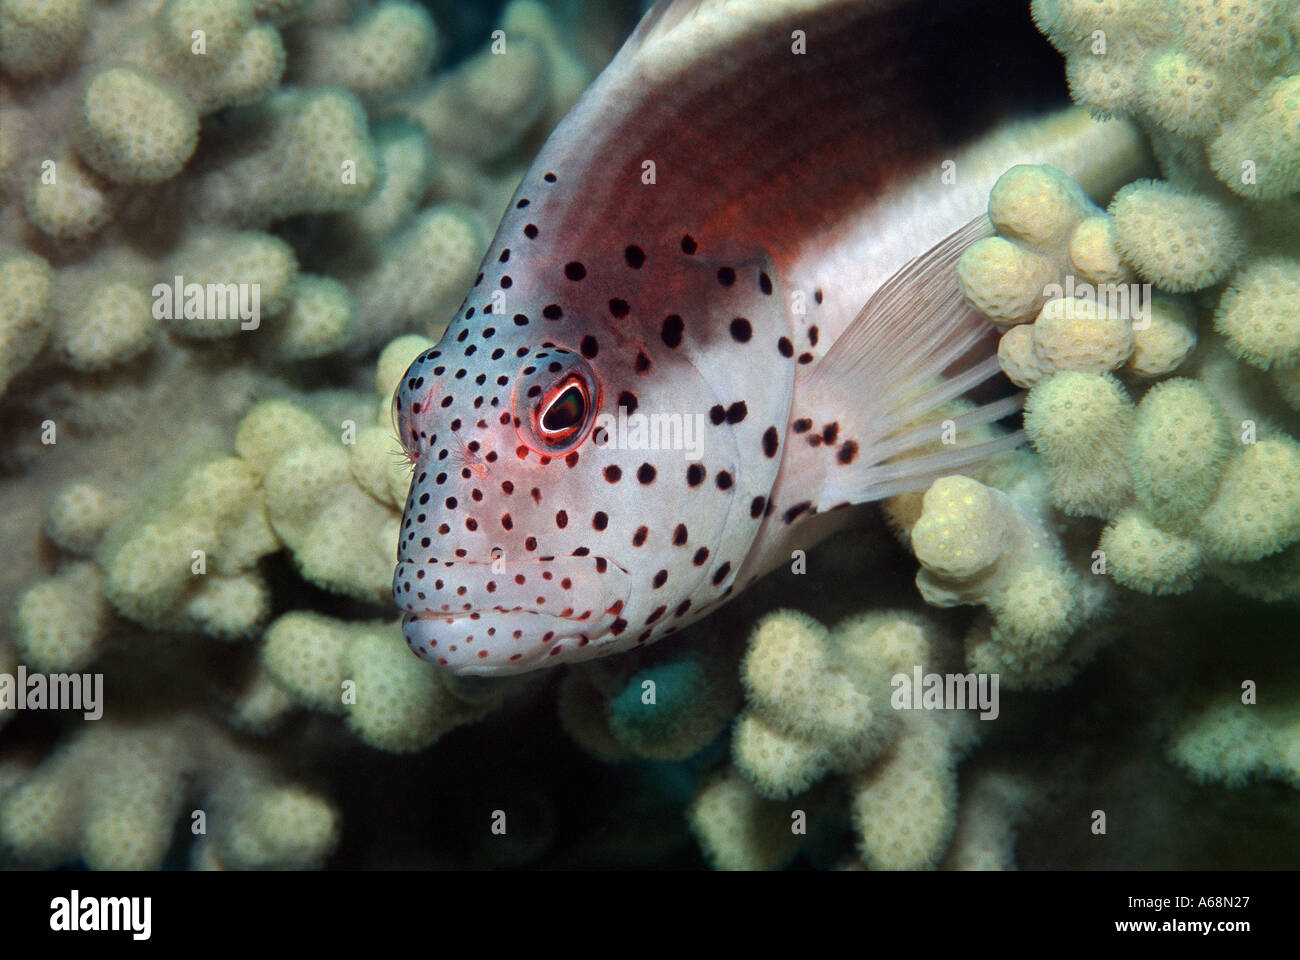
(496, 617)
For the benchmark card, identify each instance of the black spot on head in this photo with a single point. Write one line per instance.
(549, 178)
(771, 441)
(694, 475)
(600, 520)
(721, 573)
(689, 245)
(530, 231)
(717, 414)
(634, 256)
(628, 399)
(847, 452)
(737, 412)
(506, 283)
(646, 473)
(574, 270)
(741, 330)
(726, 276)
(505, 256)
(660, 579)
(589, 346)
(765, 283)
(756, 507)
(701, 555)
(802, 425)
(723, 480)
(830, 432)
(671, 331)
(639, 537)
(642, 363)
(521, 204)
(552, 311)
(785, 346)
(796, 510)
(618, 308)
(817, 295)
(613, 473)
(805, 358)
(679, 535)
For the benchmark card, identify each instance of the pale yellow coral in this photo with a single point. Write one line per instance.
(1259, 313)
(321, 318)
(301, 151)
(505, 91)
(408, 171)
(26, 282)
(275, 828)
(1178, 240)
(113, 324)
(1075, 334)
(1037, 205)
(1165, 338)
(60, 623)
(1257, 509)
(113, 793)
(67, 200)
(739, 830)
(1179, 448)
(1257, 152)
(1003, 281)
(1182, 94)
(904, 809)
(1094, 255)
(37, 35)
(231, 272)
(1231, 742)
(387, 48)
(341, 537)
(1079, 424)
(157, 566)
(420, 274)
(392, 700)
(1143, 557)
(79, 514)
(134, 128)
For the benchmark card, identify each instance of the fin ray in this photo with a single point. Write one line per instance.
(887, 379)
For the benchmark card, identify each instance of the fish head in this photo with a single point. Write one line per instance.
(559, 508)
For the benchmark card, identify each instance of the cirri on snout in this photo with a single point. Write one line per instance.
(720, 309)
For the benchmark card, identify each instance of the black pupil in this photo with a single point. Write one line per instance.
(566, 412)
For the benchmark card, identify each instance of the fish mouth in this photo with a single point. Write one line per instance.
(497, 616)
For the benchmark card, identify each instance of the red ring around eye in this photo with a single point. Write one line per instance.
(562, 411)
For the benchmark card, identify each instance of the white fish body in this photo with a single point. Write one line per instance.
(694, 246)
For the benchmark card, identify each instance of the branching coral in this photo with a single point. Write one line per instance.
(113, 794)
(304, 152)
(820, 702)
(156, 178)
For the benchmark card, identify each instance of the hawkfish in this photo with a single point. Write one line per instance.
(718, 318)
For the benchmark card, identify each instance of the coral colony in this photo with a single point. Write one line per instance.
(228, 229)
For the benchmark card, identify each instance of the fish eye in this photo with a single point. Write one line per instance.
(554, 402)
(560, 418)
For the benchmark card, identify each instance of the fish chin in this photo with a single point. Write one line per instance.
(493, 618)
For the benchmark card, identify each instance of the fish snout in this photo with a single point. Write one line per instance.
(498, 616)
